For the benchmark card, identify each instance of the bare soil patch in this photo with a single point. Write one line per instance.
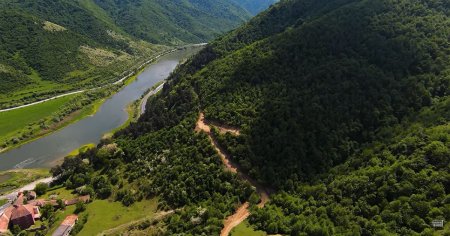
(242, 212)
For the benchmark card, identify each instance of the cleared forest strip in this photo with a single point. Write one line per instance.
(242, 212)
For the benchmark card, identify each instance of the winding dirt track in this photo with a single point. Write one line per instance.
(242, 212)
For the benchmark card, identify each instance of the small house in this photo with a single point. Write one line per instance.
(66, 226)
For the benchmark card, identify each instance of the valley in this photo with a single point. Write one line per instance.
(25, 123)
(298, 117)
(90, 128)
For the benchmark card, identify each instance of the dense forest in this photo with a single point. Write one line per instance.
(343, 109)
(39, 58)
(175, 22)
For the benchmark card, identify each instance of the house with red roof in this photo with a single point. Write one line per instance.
(66, 226)
(26, 215)
(5, 219)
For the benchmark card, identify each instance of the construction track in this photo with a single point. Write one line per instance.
(242, 212)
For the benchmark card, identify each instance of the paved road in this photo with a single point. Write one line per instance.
(151, 93)
(45, 100)
(3, 208)
(81, 91)
(117, 82)
(12, 195)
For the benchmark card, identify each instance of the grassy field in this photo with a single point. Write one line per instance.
(61, 193)
(104, 214)
(10, 180)
(30, 123)
(245, 229)
(13, 121)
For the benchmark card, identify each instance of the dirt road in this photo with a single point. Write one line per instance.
(242, 212)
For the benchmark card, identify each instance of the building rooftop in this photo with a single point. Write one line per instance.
(70, 220)
(66, 226)
(20, 211)
(4, 219)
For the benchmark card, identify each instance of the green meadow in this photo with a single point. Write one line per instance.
(245, 229)
(13, 121)
(105, 214)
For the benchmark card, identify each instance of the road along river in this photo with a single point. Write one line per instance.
(42, 152)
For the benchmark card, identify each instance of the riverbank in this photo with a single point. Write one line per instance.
(136, 108)
(15, 179)
(75, 115)
(43, 152)
(72, 117)
(122, 79)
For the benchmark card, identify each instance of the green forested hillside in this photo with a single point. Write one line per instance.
(160, 22)
(48, 47)
(343, 111)
(255, 6)
(40, 58)
(175, 21)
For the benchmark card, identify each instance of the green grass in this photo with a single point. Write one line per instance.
(62, 193)
(37, 131)
(81, 149)
(38, 86)
(13, 179)
(3, 202)
(104, 214)
(245, 229)
(16, 120)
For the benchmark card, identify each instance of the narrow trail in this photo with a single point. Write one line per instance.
(242, 212)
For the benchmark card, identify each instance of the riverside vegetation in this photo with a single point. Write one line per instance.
(343, 110)
(25, 124)
(53, 48)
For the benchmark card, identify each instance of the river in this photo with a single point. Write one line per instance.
(44, 152)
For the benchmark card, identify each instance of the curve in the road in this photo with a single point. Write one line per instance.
(114, 83)
(151, 93)
(242, 212)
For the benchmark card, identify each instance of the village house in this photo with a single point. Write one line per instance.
(25, 215)
(19, 214)
(66, 226)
